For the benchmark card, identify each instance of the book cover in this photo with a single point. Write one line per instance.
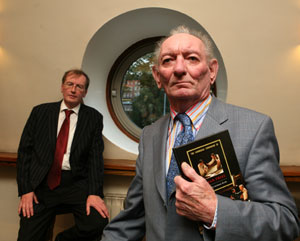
(214, 158)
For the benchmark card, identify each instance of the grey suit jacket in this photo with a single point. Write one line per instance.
(37, 147)
(271, 215)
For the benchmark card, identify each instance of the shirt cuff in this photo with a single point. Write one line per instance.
(214, 223)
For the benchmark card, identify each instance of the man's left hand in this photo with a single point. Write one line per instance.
(195, 200)
(97, 203)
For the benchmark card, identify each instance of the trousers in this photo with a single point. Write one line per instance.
(69, 197)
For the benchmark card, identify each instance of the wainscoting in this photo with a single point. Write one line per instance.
(118, 175)
(114, 203)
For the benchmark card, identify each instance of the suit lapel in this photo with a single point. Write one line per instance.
(215, 117)
(53, 122)
(159, 156)
(82, 118)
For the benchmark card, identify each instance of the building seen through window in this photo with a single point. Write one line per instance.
(142, 101)
(133, 98)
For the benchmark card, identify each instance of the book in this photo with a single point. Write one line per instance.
(214, 158)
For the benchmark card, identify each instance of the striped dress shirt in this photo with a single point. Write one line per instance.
(196, 113)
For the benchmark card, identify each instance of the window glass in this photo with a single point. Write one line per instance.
(142, 101)
(133, 98)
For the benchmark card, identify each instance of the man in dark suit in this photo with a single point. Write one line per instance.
(60, 166)
(162, 207)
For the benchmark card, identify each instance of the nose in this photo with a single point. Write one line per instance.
(73, 89)
(179, 67)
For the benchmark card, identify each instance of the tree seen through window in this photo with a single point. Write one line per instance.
(142, 101)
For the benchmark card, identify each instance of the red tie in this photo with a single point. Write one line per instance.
(54, 174)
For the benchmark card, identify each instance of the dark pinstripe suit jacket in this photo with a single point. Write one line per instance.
(37, 147)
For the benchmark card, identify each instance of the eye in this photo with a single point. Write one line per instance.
(69, 84)
(193, 58)
(81, 87)
(166, 60)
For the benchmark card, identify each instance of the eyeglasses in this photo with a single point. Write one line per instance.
(70, 85)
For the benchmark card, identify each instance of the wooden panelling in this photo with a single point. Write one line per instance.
(123, 167)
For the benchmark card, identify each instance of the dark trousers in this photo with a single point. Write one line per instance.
(69, 197)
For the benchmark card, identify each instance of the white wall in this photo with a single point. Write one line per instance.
(259, 42)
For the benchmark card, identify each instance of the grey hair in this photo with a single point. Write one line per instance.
(183, 29)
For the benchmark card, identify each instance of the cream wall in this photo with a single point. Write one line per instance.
(259, 42)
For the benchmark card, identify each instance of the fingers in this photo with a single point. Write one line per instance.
(189, 172)
(88, 209)
(102, 213)
(101, 208)
(26, 209)
(105, 212)
(97, 203)
(20, 208)
(35, 199)
(26, 204)
(29, 210)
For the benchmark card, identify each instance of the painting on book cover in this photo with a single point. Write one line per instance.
(210, 162)
(214, 159)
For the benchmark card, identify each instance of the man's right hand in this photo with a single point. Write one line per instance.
(26, 204)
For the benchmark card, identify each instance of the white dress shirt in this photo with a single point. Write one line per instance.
(73, 124)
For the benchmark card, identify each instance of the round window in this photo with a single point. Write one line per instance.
(133, 98)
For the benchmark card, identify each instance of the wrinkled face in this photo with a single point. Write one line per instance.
(73, 90)
(183, 69)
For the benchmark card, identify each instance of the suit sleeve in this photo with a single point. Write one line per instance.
(25, 156)
(95, 159)
(271, 215)
(129, 224)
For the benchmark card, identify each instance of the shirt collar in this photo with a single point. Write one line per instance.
(193, 111)
(63, 107)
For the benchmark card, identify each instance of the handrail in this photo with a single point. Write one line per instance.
(120, 167)
(124, 167)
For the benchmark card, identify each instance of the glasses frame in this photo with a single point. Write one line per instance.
(70, 85)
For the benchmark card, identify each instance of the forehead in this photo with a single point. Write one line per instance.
(76, 77)
(182, 42)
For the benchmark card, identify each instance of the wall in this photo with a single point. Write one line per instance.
(259, 42)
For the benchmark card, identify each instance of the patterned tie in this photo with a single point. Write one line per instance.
(54, 174)
(185, 136)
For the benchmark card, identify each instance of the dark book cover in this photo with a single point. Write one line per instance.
(214, 158)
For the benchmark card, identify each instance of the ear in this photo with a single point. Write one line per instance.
(84, 94)
(213, 68)
(156, 76)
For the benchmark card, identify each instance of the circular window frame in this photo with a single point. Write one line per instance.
(114, 83)
(115, 80)
(111, 39)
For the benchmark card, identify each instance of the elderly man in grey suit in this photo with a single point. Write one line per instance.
(60, 166)
(186, 69)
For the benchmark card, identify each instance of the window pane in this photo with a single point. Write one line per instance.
(142, 101)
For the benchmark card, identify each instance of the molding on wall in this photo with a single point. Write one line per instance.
(119, 167)
(123, 167)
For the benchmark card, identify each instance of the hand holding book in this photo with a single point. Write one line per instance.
(195, 200)
(214, 158)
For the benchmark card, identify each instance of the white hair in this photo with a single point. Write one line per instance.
(183, 29)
